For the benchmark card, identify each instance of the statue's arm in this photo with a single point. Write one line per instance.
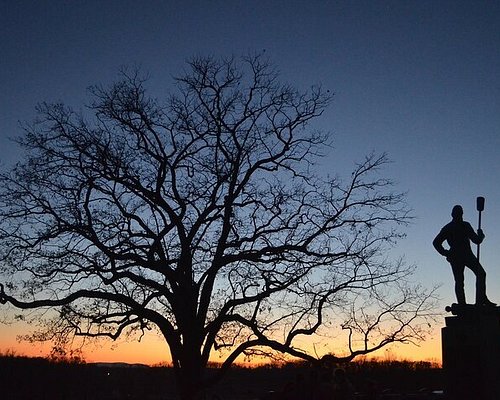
(438, 243)
(476, 238)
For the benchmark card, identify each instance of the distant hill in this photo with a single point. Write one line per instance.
(118, 365)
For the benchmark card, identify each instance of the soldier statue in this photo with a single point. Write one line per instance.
(458, 234)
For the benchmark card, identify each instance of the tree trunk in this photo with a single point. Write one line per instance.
(190, 382)
(191, 368)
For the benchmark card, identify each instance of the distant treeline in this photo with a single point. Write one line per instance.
(50, 379)
(40, 378)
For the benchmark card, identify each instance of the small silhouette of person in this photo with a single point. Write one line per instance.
(458, 234)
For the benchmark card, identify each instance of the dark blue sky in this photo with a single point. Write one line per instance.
(417, 79)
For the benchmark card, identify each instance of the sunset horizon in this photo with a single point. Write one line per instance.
(190, 183)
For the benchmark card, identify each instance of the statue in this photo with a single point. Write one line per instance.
(458, 234)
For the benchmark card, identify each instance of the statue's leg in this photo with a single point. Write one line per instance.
(480, 273)
(458, 274)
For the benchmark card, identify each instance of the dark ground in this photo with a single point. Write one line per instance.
(35, 378)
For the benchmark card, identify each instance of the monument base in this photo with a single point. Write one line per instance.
(471, 353)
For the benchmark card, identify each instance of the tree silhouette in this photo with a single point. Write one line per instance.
(206, 218)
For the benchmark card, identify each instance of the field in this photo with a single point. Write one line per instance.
(37, 378)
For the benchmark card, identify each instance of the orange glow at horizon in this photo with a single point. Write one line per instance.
(152, 350)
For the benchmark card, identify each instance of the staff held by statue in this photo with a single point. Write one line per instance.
(480, 208)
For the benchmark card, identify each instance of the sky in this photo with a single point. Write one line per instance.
(419, 80)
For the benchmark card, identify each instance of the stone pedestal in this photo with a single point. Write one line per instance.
(471, 354)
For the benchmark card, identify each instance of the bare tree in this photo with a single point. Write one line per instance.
(206, 218)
